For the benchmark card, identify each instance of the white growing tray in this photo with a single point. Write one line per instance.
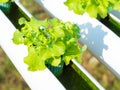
(101, 41)
(40, 80)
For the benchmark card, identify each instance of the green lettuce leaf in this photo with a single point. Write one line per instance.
(34, 61)
(18, 37)
(3, 1)
(93, 7)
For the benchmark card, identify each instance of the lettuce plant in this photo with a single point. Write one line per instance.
(48, 41)
(93, 7)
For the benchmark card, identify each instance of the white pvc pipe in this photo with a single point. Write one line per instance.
(101, 41)
(115, 15)
(88, 74)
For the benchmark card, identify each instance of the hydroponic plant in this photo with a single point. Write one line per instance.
(93, 7)
(49, 42)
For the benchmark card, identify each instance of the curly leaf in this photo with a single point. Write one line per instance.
(56, 61)
(3, 1)
(18, 37)
(93, 7)
(34, 61)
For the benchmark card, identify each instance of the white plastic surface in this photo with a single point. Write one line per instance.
(101, 41)
(40, 80)
(115, 15)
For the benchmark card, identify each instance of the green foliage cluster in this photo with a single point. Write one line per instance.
(47, 41)
(93, 7)
(3, 1)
